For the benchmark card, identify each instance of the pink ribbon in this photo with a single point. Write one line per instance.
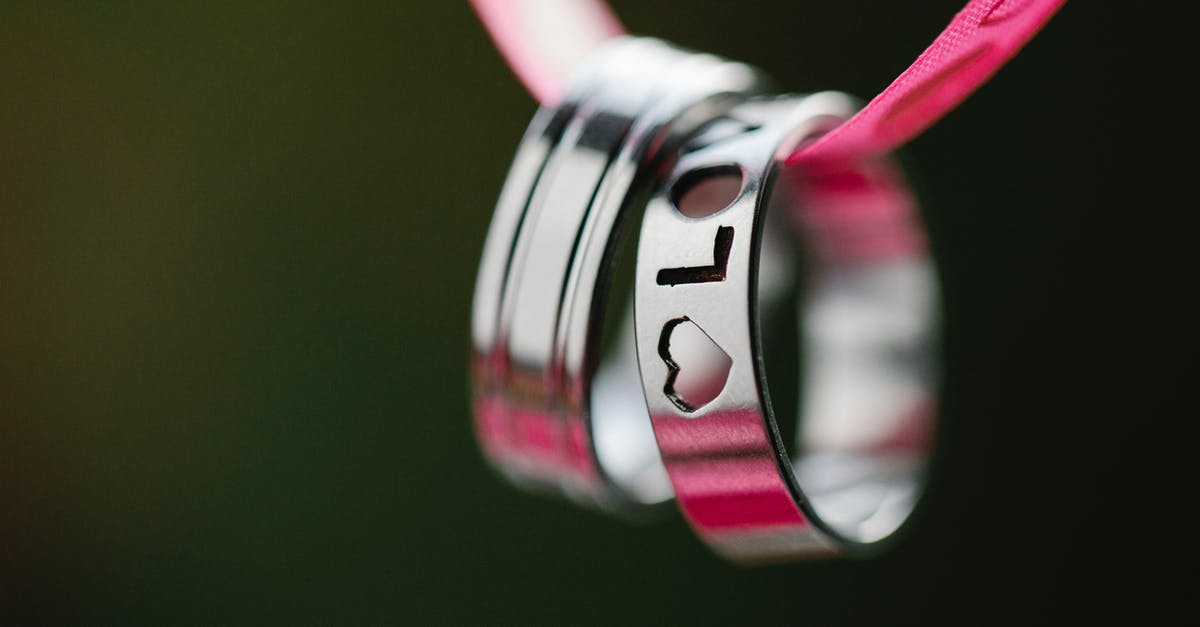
(543, 39)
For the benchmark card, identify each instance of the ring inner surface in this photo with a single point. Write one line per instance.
(863, 381)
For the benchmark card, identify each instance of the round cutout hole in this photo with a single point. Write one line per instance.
(702, 193)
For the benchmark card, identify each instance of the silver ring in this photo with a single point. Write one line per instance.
(712, 261)
(549, 414)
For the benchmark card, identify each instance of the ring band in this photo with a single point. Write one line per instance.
(543, 279)
(708, 267)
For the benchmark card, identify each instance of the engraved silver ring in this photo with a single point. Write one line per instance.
(729, 235)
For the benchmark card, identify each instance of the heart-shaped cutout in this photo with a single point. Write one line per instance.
(697, 368)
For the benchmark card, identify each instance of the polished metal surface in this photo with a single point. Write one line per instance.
(540, 292)
(712, 260)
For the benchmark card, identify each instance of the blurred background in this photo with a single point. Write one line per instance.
(237, 249)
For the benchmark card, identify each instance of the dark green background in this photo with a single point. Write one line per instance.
(237, 247)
